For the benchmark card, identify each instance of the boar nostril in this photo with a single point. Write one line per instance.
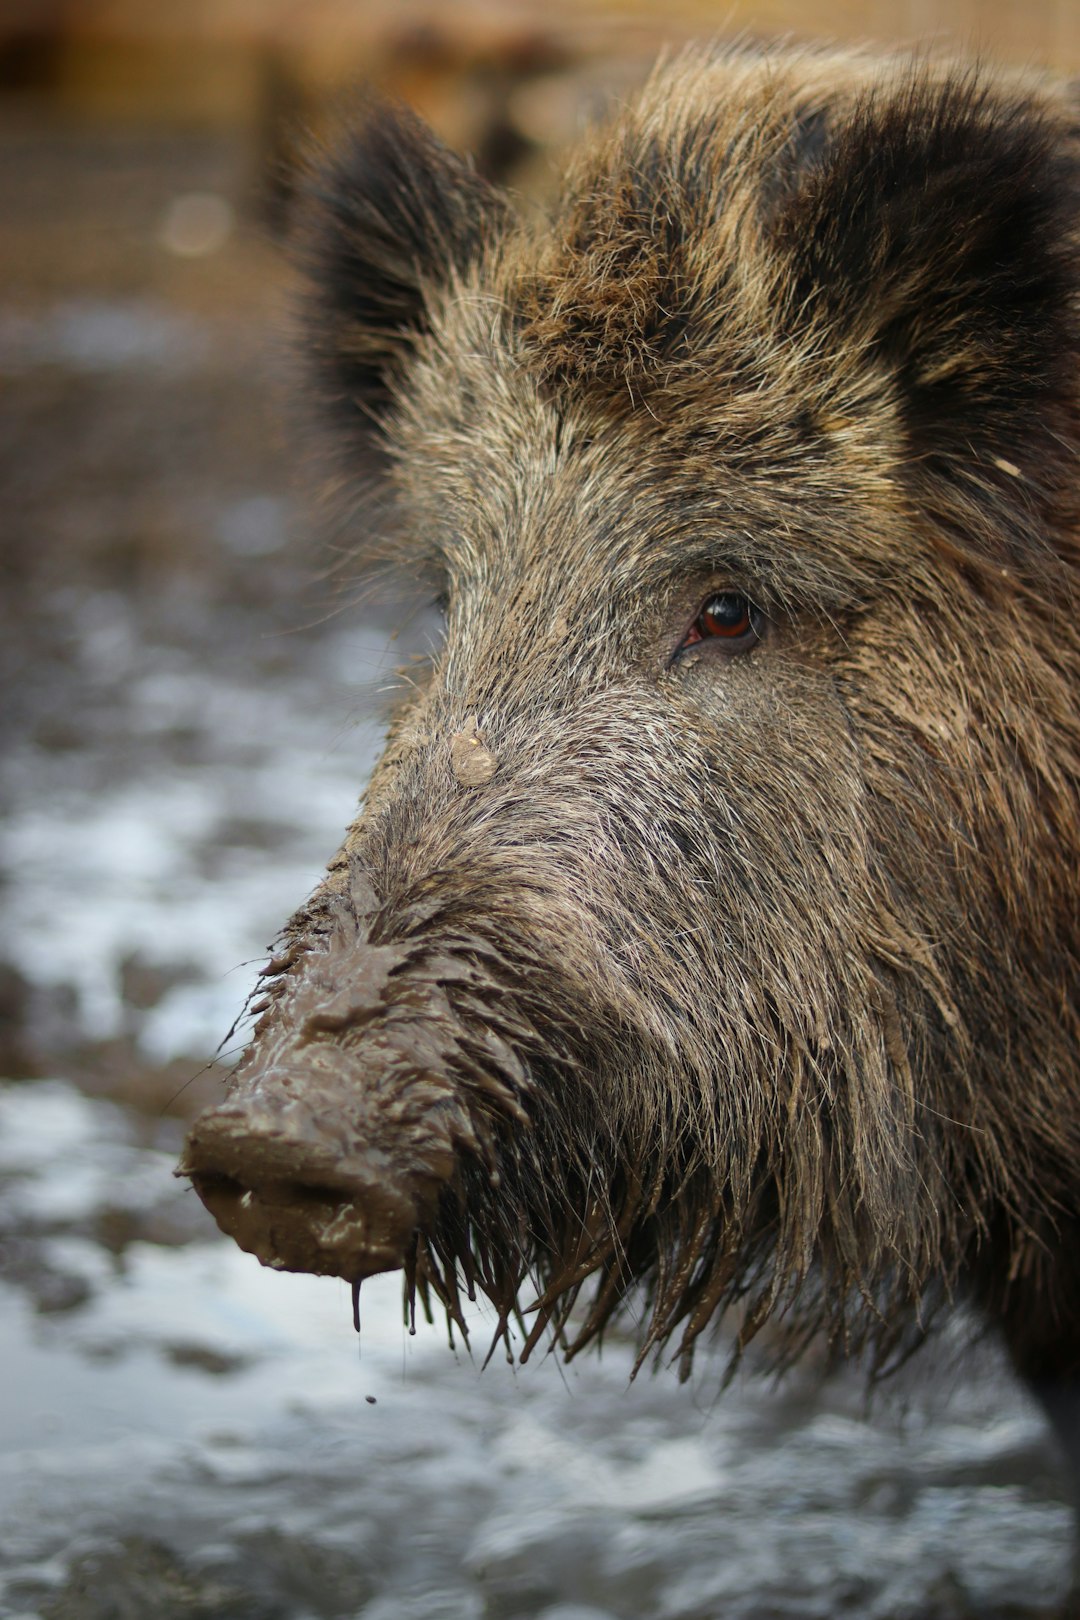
(296, 1226)
(297, 1208)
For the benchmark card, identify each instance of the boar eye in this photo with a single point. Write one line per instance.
(727, 617)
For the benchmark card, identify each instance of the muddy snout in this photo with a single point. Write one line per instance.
(361, 1094)
(290, 1184)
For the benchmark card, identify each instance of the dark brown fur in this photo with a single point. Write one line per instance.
(740, 977)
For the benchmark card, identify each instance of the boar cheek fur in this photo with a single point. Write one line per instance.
(734, 978)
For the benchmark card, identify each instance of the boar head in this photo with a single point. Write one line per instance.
(711, 923)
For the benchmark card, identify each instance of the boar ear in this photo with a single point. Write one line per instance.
(938, 237)
(391, 214)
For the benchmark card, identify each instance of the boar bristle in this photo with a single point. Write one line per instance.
(939, 236)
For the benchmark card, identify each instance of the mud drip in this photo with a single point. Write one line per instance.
(356, 1305)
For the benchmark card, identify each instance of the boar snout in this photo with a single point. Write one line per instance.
(360, 1094)
(281, 1177)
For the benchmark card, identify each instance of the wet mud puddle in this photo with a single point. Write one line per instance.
(183, 1434)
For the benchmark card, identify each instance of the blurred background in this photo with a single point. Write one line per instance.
(192, 690)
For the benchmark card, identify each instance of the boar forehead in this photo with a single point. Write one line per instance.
(500, 475)
(765, 332)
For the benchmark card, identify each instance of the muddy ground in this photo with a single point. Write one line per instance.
(190, 708)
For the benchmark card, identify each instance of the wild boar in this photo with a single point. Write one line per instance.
(711, 927)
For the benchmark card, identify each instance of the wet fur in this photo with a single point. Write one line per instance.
(777, 954)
